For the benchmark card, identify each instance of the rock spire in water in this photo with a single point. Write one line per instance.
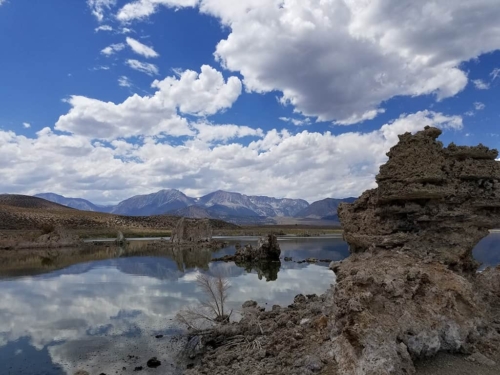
(192, 230)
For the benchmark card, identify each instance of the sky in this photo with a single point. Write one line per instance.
(106, 99)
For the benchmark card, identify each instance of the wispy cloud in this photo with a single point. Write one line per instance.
(141, 9)
(98, 7)
(479, 106)
(124, 81)
(296, 122)
(480, 84)
(112, 49)
(27, 125)
(495, 74)
(354, 119)
(103, 28)
(100, 67)
(141, 49)
(143, 67)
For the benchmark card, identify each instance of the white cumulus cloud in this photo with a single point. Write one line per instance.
(308, 165)
(141, 49)
(199, 94)
(210, 132)
(339, 60)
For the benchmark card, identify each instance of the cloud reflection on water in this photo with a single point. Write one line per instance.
(92, 316)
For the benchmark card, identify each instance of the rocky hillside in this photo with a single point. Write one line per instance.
(236, 204)
(194, 211)
(271, 207)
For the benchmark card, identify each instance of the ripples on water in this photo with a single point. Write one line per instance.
(91, 311)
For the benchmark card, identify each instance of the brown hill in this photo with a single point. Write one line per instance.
(26, 201)
(20, 212)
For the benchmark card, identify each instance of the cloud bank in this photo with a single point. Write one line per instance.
(196, 157)
(339, 60)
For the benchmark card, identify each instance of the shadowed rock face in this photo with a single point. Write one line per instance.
(433, 202)
(409, 288)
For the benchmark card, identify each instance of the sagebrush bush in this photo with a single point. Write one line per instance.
(47, 228)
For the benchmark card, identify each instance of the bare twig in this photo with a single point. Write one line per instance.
(212, 308)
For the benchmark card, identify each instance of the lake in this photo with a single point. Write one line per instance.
(101, 311)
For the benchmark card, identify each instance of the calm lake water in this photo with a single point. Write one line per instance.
(94, 315)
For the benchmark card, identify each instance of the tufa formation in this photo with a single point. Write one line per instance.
(432, 203)
(192, 230)
(410, 287)
(267, 249)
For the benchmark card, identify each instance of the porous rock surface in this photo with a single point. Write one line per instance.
(410, 287)
(433, 202)
(192, 230)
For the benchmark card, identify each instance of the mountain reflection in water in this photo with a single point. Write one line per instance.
(91, 309)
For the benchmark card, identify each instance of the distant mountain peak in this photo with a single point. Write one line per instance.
(220, 204)
(77, 203)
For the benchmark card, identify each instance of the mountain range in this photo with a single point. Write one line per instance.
(229, 206)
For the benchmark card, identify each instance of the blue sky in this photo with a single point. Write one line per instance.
(105, 99)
